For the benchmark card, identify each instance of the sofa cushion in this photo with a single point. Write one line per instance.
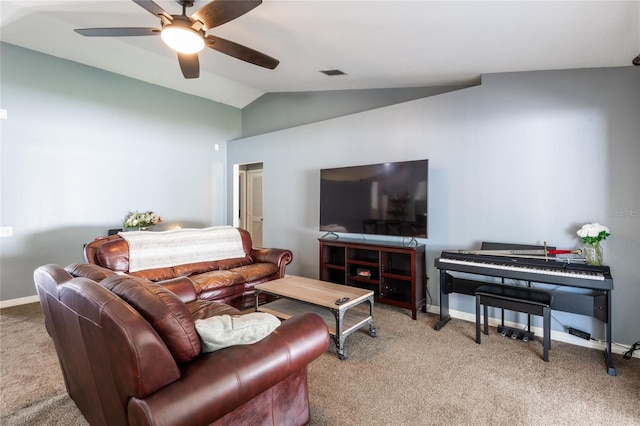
(222, 331)
(256, 271)
(224, 278)
(168, 315)
(234, 262)
(195, 268)
(158, 274)
(216, 279)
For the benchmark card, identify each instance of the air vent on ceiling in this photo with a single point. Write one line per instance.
(333, 72)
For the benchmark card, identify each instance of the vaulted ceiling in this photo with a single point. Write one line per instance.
(377, 44)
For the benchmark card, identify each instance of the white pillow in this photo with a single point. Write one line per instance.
(221, 331)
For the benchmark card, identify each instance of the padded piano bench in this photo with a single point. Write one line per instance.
(520, 299)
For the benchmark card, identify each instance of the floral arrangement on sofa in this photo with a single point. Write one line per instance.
(141, 220)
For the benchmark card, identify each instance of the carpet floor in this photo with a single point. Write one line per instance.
(409, 374)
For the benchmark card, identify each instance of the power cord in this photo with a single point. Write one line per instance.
(635, 347)
(428, 299)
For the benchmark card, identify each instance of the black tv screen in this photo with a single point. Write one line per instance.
(379, 199)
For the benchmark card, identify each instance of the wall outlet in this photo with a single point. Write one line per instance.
(6, 231)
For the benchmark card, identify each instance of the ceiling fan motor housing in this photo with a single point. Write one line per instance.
(183, 21)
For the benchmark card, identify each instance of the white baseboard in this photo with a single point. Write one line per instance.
(559, 336)
(19, 301)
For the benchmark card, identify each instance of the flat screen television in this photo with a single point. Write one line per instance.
(377, 199)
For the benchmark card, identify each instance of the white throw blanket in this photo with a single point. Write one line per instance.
(222, 331)
(148, 250)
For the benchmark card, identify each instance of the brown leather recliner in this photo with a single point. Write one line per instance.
(130, 355)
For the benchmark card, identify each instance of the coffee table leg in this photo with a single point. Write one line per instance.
(338, 339)
(372, 328)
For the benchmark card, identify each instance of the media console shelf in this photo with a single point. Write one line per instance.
(395, 272)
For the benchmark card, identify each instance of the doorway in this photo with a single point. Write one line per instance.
(248, 199)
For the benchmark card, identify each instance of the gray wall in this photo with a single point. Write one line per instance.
(81, 147)
(277, 111)
(523, 158)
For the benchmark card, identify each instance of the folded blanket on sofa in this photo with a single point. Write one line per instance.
(149, 250)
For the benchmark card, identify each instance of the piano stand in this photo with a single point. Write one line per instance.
(526, 300)
(576, 288)
(442, 322)
(611, 369)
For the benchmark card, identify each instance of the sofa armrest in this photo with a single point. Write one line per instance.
(182, 287)
(279, 257)
(217, 383)
(90, 249)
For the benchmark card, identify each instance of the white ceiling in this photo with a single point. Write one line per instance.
(378, 44)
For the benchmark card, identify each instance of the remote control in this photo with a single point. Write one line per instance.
(341, 301)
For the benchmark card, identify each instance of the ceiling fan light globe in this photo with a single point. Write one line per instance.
(183, 40)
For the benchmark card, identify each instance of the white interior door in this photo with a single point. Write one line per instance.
(254, 206)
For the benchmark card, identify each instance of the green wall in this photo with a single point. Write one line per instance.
(81, 147)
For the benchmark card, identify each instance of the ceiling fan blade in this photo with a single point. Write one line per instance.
(241, 52)
(189, 64)
(219, 12)
(152, 8)
(117, 32)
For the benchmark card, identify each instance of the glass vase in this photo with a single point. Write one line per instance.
(593, 253)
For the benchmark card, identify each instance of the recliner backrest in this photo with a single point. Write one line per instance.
(107, 350)
(46, 279)
(166, 313)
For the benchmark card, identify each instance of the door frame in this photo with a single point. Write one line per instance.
(240, 192)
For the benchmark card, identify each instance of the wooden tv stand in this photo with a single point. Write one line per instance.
(395, 272)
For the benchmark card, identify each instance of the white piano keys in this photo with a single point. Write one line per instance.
(533, 270)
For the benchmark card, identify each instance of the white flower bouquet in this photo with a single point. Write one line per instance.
(141, 220)
(593, 233)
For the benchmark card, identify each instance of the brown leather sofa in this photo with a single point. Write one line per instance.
(130, 355)
(231, 281)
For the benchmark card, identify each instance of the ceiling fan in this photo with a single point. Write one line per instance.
(186, 34)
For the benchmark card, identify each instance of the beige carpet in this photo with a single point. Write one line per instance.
(409, 375)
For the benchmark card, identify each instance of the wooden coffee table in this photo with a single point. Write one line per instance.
(298, 295)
